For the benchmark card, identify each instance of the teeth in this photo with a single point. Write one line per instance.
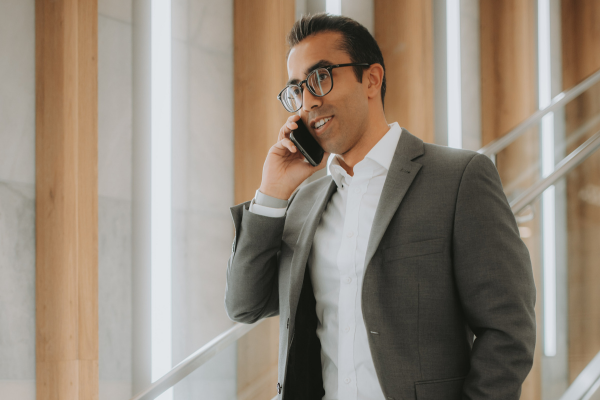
(321, 122)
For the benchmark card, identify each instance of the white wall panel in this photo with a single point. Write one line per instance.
(114, 202)
(17, 199)
(202, 107)
(17, 91)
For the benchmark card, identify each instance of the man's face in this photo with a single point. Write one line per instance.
(346, 104)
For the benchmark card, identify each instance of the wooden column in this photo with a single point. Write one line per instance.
(580, 21)
(509, 96)
(260, 28)
(404, 32)
(66, 200)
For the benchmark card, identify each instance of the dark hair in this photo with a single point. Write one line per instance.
(356, 41)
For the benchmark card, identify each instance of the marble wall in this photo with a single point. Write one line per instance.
(470, 74)
(309, 7)
(114, 197)
(202, 184)
(202, 140)
(362, 11)
(17, 199)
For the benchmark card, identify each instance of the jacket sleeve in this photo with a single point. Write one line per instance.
(251, 292)
(495, 282)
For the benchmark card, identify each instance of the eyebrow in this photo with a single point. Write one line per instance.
(318, 64)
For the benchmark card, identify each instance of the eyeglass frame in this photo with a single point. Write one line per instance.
(328, 68)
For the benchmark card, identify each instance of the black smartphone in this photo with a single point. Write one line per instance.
(306, 143)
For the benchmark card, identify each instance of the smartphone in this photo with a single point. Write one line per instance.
(306, 143)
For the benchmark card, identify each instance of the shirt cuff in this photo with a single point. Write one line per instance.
(269, 201)
(267, 206)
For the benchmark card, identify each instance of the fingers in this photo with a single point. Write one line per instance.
(289, 126)
(289, 145)
(283, 146)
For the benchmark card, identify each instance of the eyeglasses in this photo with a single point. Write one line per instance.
(319, 82)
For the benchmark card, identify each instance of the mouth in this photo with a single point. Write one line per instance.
(322, 124)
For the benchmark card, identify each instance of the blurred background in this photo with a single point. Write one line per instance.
(129, 127)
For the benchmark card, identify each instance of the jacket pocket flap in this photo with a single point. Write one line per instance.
(449, 389)
(414, 249)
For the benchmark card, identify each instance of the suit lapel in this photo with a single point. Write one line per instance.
(400, 176)
(304, 244)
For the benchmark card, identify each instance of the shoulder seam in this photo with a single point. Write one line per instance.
(460, 183)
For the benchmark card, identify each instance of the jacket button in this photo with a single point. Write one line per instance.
(279, 388)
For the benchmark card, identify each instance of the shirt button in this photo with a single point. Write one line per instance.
(347, 329)
(347, 279)
(347, 380)
(350, 234)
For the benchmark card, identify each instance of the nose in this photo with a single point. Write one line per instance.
(310, 101)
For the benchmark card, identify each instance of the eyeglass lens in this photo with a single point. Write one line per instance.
(319, 83)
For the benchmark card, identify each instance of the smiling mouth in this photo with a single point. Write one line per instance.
(322, 124)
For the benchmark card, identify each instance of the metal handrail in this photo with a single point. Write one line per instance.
(586, 383)
(567, 164)
(195, 360)
(558, 101)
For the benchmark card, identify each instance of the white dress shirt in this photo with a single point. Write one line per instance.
(337, 266)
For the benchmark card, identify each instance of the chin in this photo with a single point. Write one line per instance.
(329, 144)
(335, 147)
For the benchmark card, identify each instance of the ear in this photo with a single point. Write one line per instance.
(373, 77)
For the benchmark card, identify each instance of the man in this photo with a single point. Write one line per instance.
(383, 272)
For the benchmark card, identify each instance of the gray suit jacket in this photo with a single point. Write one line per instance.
(444, 261)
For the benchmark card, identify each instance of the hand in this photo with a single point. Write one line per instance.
(285, 167)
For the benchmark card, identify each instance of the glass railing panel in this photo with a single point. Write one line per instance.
(224, 378)
(582, 215)
(230, 366)
(530, 228)
(215, 380)
(529, 158)
(258, 362)
(596, 393)
(563, 237)
(519, 163)
(581, 118)
(583, 259)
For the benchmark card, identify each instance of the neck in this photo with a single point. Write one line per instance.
(376, 129)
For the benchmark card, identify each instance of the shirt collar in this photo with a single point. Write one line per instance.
(338, 172)
(382, 153)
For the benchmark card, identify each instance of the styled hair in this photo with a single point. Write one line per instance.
(356, 41)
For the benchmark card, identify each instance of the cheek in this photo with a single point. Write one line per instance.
(355, 109)
(351, 108)
(350, 102)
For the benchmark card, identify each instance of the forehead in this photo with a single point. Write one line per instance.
(322, 46)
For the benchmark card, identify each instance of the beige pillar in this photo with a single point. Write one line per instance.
(509, 96)
(260, 28)
(404, 32)
(66, 200)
